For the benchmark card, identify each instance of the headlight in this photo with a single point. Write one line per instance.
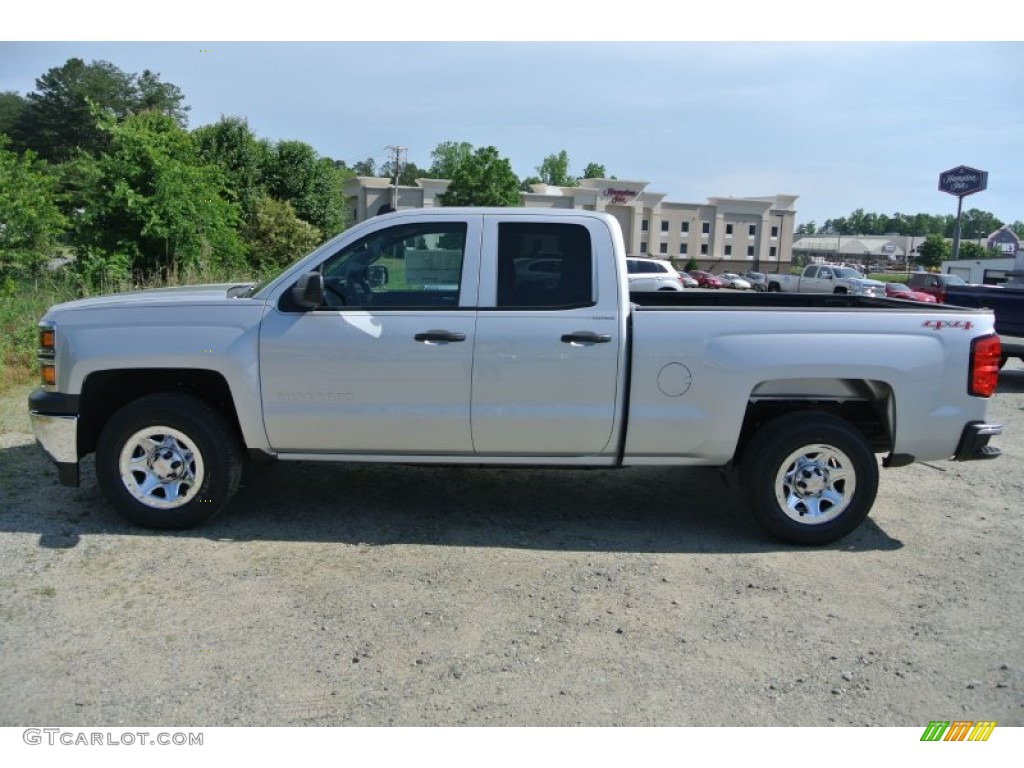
(46, 353)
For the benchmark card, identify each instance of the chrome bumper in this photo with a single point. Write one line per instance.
(58, 436)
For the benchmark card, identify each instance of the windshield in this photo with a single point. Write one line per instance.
(952, 280)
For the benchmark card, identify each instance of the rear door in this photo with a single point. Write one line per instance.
(549, 353)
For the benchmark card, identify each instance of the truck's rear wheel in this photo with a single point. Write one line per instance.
(810, 477)
(168, 461)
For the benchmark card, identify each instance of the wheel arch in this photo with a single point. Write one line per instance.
(106, 392)
(866, 404)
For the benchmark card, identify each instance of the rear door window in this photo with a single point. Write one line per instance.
(544, 265)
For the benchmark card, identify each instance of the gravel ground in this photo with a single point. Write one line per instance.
(364, 595)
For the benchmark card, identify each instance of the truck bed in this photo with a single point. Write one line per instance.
(683, 299)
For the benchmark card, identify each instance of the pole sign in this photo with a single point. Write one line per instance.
(962, 181)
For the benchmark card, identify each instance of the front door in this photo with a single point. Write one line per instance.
(385, 366)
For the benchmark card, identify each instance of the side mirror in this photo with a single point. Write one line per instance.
(308, 292)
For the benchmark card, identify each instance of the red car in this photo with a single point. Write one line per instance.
(900, 291)
(935, 284)
(706, 279)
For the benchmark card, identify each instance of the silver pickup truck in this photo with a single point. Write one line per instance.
(825, 278)
(506, 337)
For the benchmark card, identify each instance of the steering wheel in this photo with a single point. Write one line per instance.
(352, 292)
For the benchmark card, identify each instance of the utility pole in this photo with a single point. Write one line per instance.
(396, 168)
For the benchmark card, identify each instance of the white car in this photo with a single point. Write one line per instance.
(732, 280)
(652, 275)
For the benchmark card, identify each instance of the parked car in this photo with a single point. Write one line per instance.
(827, 278)
(688, 282)
(652, 275)
(733, 280)
(758, 280)
(706, 279)
(901, 291)
(936, 285)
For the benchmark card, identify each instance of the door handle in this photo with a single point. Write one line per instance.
(586, 337)
(439, 336)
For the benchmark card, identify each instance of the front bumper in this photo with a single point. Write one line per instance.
(55, 424)
(974, 442)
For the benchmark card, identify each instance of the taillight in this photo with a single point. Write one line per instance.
(984, 373)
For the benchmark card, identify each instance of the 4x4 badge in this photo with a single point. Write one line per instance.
(938, 325)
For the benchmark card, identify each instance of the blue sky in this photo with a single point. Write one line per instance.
(843, 125)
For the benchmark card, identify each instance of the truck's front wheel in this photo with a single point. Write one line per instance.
(168, 461)
(810, 477)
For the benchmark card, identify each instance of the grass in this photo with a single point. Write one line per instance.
(23, 303)
(19, 314)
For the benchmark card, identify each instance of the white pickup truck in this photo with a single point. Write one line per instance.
(506, 337)
(825, 278)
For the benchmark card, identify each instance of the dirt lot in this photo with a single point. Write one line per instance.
(338, 595)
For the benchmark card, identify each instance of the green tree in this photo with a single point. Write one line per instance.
(1018, 228)
(933, 251)
(367, 167)
(809, 228)
(31, 224)
(152, 94)
(152, 201)
(60, 116)
(230, 145)
(529, 181)
(12, 108)
(976, 224)
(595, 171)
(838, 226)
(276, 236)
(407, 173)
(969, 250)
(554, 170)
(485, 178)
(447, 157)
(296, 173)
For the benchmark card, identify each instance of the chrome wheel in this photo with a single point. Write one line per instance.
(815, 484)
(161, 467)
(811, 477)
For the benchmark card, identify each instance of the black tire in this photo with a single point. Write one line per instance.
(168, 461)
(790, 471)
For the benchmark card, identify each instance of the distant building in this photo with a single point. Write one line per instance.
(1005, 241)
(888, 248)
(858, 248)
(998, 271)
(724, 234)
